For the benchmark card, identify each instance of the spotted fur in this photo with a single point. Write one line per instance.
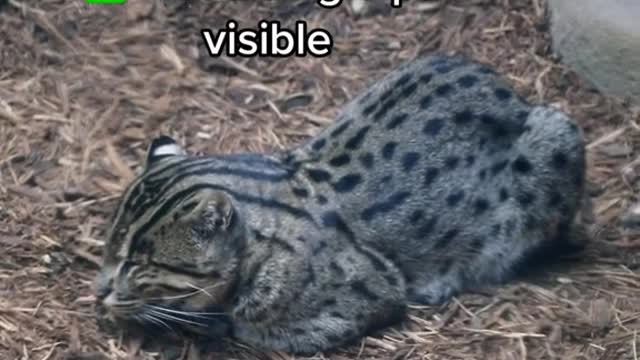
(436, 180)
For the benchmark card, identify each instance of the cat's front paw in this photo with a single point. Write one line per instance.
(437, 292)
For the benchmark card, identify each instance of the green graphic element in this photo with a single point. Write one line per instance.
(107, 2)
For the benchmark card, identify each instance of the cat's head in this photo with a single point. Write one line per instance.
(173, 245)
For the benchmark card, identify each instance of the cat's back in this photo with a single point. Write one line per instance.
(426, 126)
(434, 150)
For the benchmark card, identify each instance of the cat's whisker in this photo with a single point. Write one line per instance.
(182, 296)
(187, 313)
(126, 308)
(200, 289)
(150, 318)
(176, 319)
(126, 303)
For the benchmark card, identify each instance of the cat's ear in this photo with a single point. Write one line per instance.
(208, 204)
(162, 147)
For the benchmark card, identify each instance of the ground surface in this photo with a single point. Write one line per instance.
(82, 90)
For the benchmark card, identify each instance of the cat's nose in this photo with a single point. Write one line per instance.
(103, 292)
(109, 300)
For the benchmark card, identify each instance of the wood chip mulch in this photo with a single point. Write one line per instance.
(83, 89)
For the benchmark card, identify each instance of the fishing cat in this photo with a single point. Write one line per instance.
(436, 180)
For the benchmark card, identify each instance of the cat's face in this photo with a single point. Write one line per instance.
(172, 250)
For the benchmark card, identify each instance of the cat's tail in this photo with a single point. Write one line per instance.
(555, 149)
(555, 146)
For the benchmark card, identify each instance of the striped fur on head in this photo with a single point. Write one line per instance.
(173, 245)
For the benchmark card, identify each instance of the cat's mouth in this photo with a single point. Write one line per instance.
(212, 322)
(166, 318)
(163, 315)
(191, 310)
(120, 308)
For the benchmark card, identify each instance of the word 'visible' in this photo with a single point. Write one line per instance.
(269, 40)
(272, 40)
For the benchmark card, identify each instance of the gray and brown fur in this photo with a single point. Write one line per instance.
(437, 180)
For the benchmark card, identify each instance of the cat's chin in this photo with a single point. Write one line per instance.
(211, 326)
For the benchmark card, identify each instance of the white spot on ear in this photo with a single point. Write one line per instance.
(161, 147)
(168, 149)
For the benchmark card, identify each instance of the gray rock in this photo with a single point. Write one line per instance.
(600, 41)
